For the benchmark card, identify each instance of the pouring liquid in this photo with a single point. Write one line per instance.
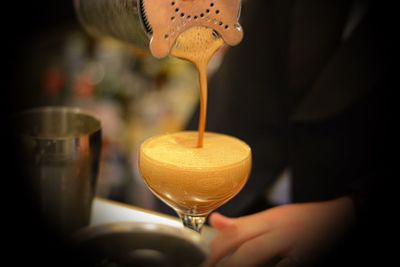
(194, 179)
(198, 45)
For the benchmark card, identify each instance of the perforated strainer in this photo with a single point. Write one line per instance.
(165, 20)
(161, 21)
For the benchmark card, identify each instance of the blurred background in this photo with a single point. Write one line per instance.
(49, 60)
(55, 62)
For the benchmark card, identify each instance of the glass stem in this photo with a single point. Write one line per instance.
(193, 222)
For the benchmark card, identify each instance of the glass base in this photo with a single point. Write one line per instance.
(194, 223)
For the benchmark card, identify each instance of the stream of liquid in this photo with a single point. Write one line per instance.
(198, 45)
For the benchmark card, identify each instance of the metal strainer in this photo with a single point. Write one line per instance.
(166, 20)
(161, 21)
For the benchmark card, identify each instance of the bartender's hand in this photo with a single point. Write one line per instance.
(296, 233)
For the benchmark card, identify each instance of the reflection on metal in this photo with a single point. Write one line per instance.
(60, 147)
(139, 244)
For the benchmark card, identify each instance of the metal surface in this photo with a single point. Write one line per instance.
(155, 24)
(115, 18)
(139, 244)
(168, 19)
(60, 147)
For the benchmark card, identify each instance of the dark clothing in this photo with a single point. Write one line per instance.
(308, 91)
(305, 96)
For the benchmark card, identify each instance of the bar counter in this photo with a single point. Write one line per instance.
(106, 211)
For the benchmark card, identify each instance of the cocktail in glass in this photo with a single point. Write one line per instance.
(194, 180)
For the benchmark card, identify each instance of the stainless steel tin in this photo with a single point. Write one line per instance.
(139, 244)
(116, 18)
(60, 147)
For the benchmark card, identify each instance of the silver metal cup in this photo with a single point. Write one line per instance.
(61, 152)
(124, 244)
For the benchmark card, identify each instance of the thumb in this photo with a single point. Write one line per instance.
(218, 221)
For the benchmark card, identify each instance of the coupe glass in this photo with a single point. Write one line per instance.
(194, 181)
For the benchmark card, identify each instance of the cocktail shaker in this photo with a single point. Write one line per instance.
(155, 24)
(60, 149)
(120, 19)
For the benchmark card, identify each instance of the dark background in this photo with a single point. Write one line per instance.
(27, 241)
(25, 23)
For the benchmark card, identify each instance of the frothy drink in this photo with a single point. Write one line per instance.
(195, 180)
(195, 172)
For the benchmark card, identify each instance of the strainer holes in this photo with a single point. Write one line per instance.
(212, 4)
(172, 18)
(166, 36)
(201, 15)
(172, 3)
(217, 11)
(176, 10)
(195, 17)
(220, 23)
(215, 34)
(207, 10)
(182, 14)
(226, 27)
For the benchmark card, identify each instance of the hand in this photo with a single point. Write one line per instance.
(297, 233)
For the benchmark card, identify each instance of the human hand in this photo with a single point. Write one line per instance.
(297, 233)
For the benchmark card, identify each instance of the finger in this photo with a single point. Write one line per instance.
(257, 251)
(219, 221)
(233, 235)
